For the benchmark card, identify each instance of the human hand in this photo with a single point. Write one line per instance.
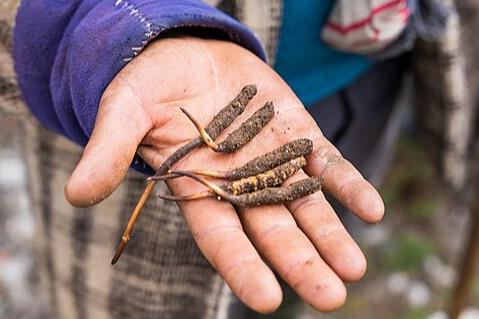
(303, 241)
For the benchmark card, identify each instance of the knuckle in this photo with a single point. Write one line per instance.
(294, 274)
(270, 234)
(325, 156)
(304, 203)
(329, 234)
(239, 266)
(329, 155)
(211, 234)
(343, 186)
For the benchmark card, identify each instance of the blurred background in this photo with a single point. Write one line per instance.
(413, 254)
(18, 298)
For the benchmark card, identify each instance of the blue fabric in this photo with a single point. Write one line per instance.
(308, 65)
(67, 52)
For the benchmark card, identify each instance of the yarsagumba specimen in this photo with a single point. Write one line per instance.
(256, 183)
(281, 155)
(266, 196)
(260, 164)
(276, 195)
(221, 121)
(240, 137)
(229, 113)
(271, 178)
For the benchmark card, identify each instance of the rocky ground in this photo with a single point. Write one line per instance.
(412, 254)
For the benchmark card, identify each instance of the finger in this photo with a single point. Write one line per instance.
(151, 155)
(344, 181)
(319, 222)
(274, 233)
(341, 179)
(120, 126)
(219, 235)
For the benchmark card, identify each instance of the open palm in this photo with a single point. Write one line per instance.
(303, 241)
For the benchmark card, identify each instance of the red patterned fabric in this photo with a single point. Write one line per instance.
(365, 26)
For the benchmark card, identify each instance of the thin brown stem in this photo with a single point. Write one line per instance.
(200, 195)
(131, 222)
(201, 172)
(203, 134)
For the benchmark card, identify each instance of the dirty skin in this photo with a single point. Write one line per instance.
(256, 183)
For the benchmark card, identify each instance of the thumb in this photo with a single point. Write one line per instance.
(120, 126)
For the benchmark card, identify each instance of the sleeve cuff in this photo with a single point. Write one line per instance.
(98, 41)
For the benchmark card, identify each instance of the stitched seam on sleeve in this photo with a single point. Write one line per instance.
(151, 30)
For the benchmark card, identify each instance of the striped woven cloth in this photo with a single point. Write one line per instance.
(162, 274)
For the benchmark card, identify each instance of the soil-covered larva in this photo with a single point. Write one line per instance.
(260, 164)
(271, 178)
(266, 196)
(222, 120)
(241, 136)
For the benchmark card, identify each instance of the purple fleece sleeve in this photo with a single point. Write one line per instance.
(67, 52)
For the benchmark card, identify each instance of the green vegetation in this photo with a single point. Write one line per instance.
(416, 314)
(412, 183)
(407, 252)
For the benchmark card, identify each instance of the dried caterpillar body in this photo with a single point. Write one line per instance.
(260, 164)
(266, 196)
(271, 178)
(229, 113)
(241, 136)
(278, 195)
(253, 184)
(219, 122)
(248, 130)
(283, 154)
